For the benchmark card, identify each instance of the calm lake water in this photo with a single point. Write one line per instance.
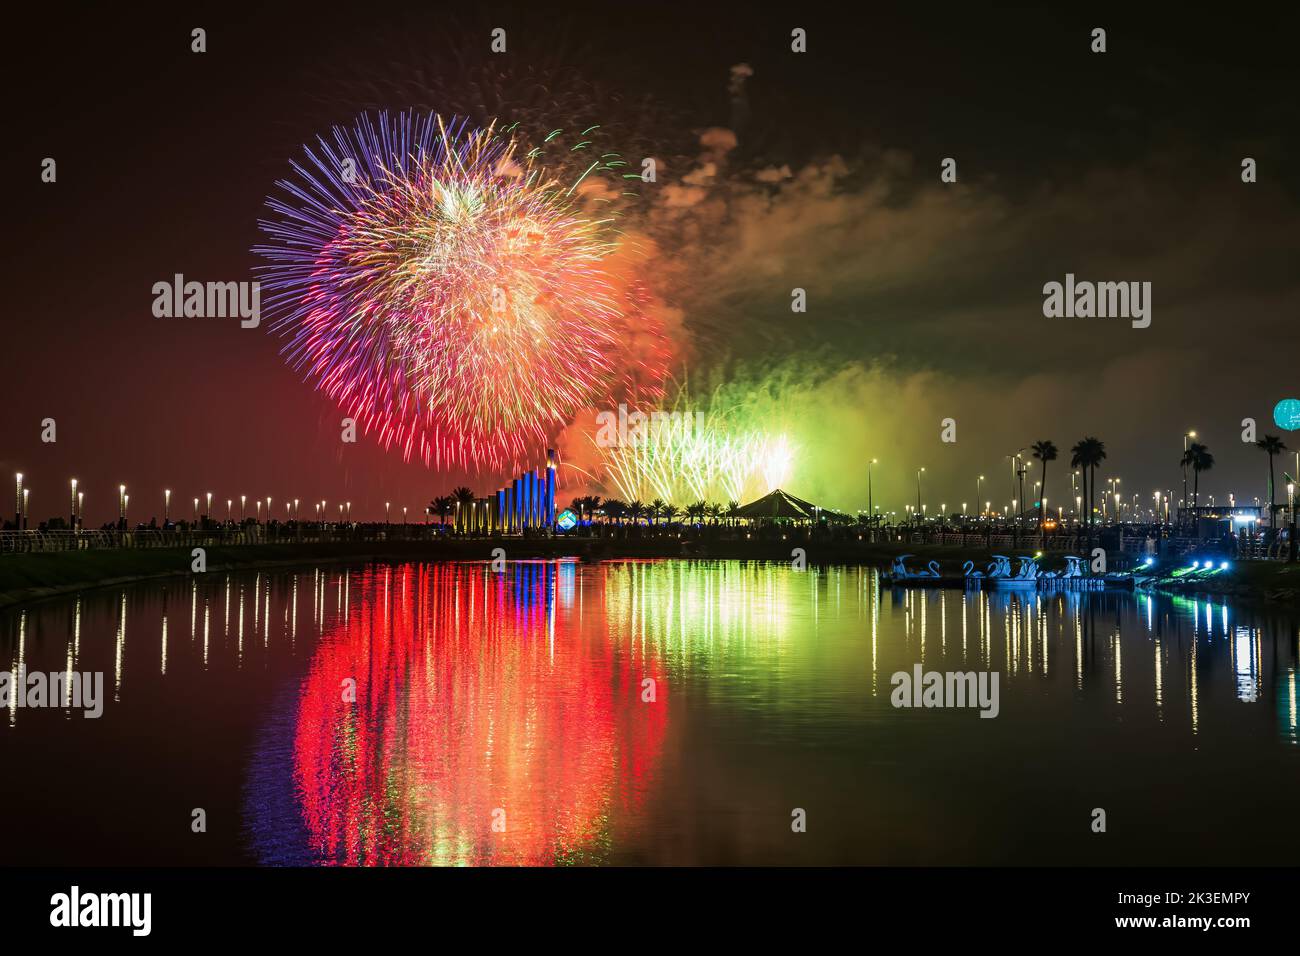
(518, 699)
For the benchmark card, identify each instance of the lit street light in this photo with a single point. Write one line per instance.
(870, 510)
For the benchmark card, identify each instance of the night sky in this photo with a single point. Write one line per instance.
(924, 298)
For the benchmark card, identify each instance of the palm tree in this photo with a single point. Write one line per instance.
(671, 513)
(656, 509)
(696, 511)
(715, 512)
(615, 509)
(440, 506)
(1044, 451)
(1272, 446)
(1198, 457)
(732, 507)
(1087, 454)
(635, 510)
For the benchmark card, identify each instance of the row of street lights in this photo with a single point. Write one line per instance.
(1160, 511)
(22, 502)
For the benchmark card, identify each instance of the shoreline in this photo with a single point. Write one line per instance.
(29, 578)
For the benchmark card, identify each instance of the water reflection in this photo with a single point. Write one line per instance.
(394, 715)
(445, 721)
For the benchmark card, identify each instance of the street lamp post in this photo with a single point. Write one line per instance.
(1290, 494)
(870, 502)
(1018, 473)
(918, 489)
(1186, 445)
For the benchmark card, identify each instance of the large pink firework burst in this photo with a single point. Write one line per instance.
(455, 297)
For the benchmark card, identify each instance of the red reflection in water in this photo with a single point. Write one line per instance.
(475, 692)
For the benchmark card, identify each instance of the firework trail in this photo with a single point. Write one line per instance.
(451, 294)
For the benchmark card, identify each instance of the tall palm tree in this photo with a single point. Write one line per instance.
(697, 510)
(1199, 459)
(1044, 451)
(1272, 446)
(635, 510)
(440, 506)
(732, 507)
(671, 513)
(615, 509)
(715, 512)
(656, 509)
(1087, 454)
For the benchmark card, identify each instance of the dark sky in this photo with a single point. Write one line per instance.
(1122, 166)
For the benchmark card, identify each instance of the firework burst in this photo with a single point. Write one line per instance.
(692, 453)
(450, 293)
